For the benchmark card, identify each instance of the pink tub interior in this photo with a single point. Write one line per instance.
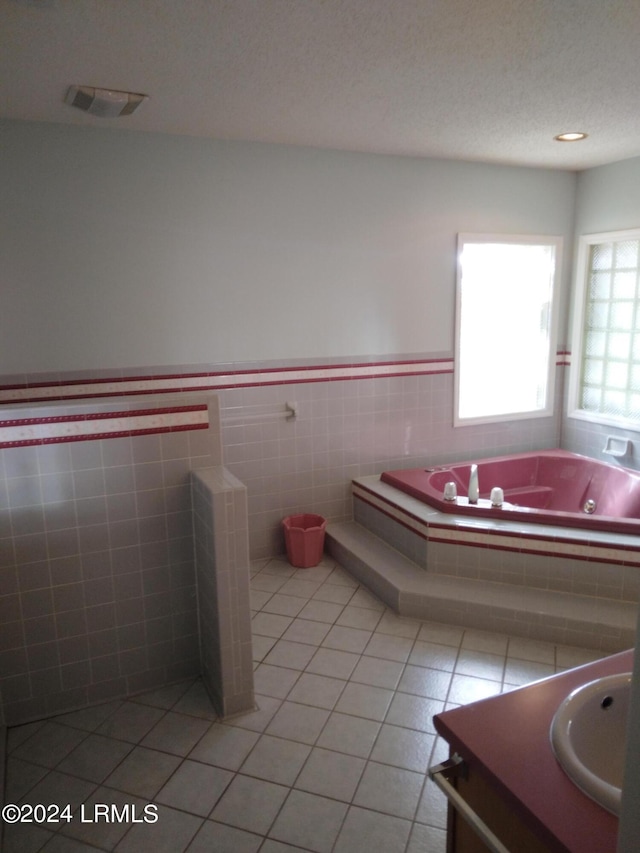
(547, 487)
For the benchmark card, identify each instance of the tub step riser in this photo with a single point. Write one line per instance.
(521, 611)
(544, 564)
(364, 573)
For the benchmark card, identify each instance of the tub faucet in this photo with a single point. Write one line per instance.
(473, 485)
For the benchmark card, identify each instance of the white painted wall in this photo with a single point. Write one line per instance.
(122, 249)
(608, 197)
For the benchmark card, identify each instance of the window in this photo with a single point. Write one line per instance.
(605, 376)
(505, 327)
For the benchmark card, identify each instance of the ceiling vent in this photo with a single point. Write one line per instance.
(105, 103)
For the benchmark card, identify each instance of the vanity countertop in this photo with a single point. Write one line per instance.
(506, 740)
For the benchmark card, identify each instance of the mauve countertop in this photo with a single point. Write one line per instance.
(506, 739)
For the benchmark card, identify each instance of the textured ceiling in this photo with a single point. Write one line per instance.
(484, 80)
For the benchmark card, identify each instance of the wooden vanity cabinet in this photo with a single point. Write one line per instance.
(511, 778)
(491, 808)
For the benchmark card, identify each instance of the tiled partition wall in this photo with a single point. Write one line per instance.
(354, 417)
(222, 573)
(97, 584)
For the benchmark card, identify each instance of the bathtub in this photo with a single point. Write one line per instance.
(545, 487)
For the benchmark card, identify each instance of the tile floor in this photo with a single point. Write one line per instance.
(333, 761)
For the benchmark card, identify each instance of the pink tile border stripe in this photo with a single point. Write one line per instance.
(75, 389)
(25, 432)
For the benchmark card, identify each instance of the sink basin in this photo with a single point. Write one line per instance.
(589, 734)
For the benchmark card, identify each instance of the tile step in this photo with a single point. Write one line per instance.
(526, 611)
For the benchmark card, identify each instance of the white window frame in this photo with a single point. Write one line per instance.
(494, 348)
(579, 306)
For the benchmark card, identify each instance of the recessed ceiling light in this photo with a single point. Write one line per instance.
(574, 136)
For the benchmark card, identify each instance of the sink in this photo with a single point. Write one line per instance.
(589, 734)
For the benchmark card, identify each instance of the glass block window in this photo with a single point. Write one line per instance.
(505, 327)
(607, 329)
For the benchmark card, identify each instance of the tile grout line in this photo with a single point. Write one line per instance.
(380, 720)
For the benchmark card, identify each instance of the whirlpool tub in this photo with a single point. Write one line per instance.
(547, 487)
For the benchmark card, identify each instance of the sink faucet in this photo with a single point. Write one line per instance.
(473, 485)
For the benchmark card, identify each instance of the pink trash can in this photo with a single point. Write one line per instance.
(304, 538)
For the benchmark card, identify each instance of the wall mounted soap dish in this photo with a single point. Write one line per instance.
(617, 446)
